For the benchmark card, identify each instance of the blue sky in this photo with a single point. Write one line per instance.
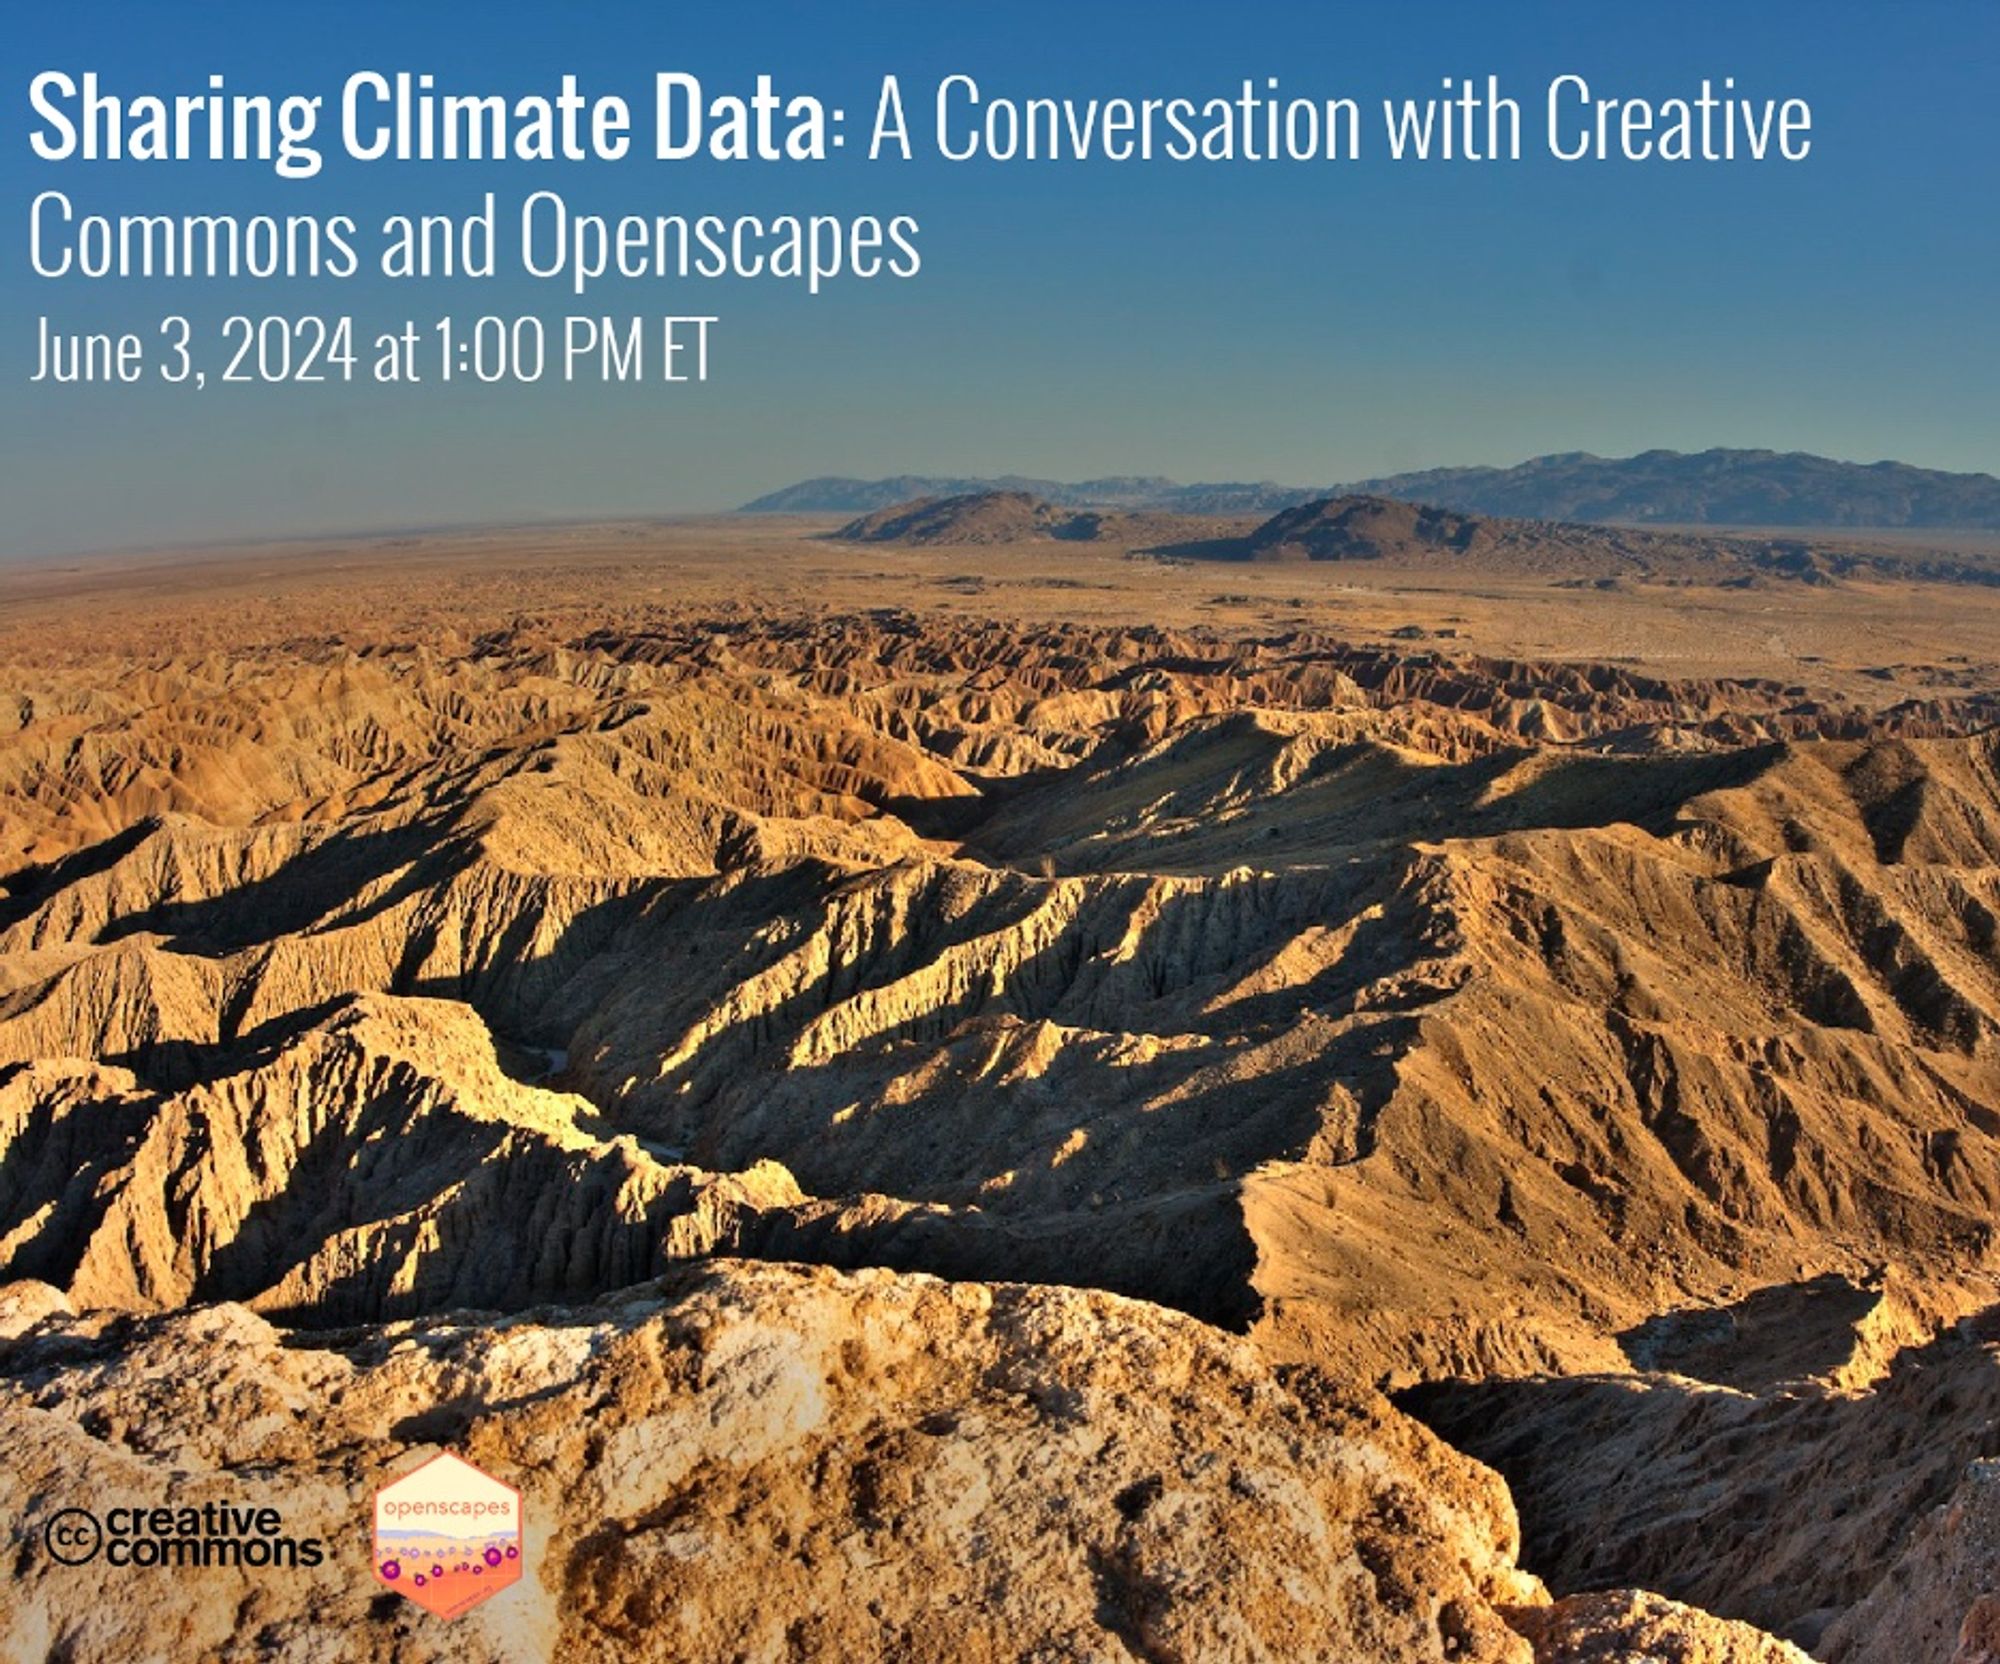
(1303, 322)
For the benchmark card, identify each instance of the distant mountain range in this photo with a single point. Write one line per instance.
(1742, 488)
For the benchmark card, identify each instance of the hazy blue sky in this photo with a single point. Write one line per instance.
(1303, 322)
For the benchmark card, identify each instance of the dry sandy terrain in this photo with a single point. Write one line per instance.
(585, 575)
(1153, 1007)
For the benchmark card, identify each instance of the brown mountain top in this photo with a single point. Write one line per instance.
(1365, 528)
(977, 517)
(1007, 517)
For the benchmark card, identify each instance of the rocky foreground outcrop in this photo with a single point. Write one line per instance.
(762, 1462)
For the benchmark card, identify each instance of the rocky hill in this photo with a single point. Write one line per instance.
(1365, 528)
(1002, 517)
(978, 517)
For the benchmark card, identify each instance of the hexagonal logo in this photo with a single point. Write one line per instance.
(447, 1535)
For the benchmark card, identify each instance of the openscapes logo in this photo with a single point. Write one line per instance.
(447, 1535)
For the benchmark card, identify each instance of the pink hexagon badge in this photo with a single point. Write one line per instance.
(447, 1535)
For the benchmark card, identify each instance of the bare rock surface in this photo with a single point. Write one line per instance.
(1940, 1597)
(1623, 1627)
(762, 1462)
